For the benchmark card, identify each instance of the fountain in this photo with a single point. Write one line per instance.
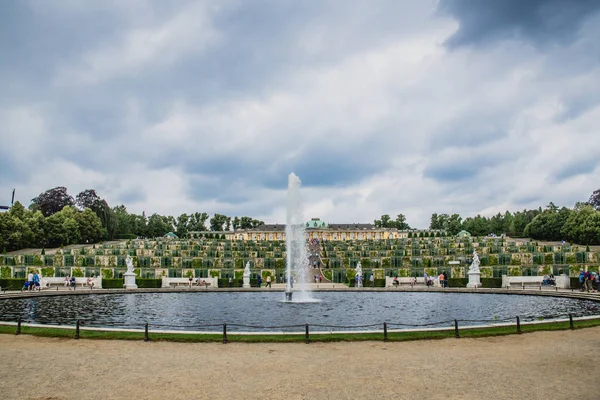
(295, 241)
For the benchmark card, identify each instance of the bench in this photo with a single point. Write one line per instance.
(562, 281)
(176, 282)
(47, 282)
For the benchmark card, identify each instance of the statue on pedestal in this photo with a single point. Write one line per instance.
(129, 262)
(359, 275)
(246, 280)
(475, 264)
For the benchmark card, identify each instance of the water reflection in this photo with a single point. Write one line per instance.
(190, 311)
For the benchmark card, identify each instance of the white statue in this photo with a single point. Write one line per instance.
(358, 269)
(247, 269)
(129, 262)
(359, 275)
(475, 264)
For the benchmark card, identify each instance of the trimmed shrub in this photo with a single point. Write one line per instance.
(12, 284)
(458, 282)
(113, 283)
(145, 283)
(491, 282)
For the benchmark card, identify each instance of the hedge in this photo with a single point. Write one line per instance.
(12, 283)
(367, 283)
(144, 283)
(458, 282)
(113, 283)
(491, 282)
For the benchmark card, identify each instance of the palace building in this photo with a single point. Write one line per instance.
(315, 228)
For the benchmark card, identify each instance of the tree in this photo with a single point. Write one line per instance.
(90, 199)
(595, 200)
(219, 222)
(90, 226)
(401, 222)
(52, 201)
(454, 224)
(181, 226)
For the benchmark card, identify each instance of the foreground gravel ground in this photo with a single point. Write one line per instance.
(542, 365)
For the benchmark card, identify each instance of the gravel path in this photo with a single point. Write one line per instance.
(541, 365)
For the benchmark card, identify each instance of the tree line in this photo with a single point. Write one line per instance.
(55, 218)
(580, 224)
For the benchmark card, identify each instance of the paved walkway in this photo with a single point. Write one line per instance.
(541, 365)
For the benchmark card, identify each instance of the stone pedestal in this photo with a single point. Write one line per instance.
(130, 280)
(474, 280)
(246, 282)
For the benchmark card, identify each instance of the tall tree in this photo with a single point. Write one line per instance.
(595, 200)
(401, 222)
(52, 201)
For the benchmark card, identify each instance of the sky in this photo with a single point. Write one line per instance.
(380, 107)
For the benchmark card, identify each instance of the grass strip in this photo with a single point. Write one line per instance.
(314, 337)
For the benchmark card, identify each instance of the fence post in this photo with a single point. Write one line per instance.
(224, 333)
(18, 332)
(146, 338)
(571, 322)
(518, 324)
(456, 334)
(306, 336)
(77, 330)
(385, 337)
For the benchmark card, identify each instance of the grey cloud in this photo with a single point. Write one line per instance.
(577, 167)
(538, 21)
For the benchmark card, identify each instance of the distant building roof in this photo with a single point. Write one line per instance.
(463, 233)
(171, 235)
(316, 223)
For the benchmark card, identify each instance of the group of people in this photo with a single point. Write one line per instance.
(549, 280)
(70, 282)
(443, 279)
(589, 281)
(33, 282)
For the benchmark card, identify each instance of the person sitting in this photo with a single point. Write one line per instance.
(546, 280)
(67, 280)
(72, 282)
(396, 282)
(552, 280)
(90, 282)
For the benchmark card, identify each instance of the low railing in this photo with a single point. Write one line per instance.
(305, 329)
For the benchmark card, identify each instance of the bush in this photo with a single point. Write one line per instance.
(113, 283)
(224, 283)
(491, 282)
(145, 283)
(12, 284)
(77, 272)
(458, 282)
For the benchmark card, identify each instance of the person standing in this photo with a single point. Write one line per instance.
(30, 281)
(36, 281)
(268, 281)
(230, 281)
(372, 279)
(259, 281)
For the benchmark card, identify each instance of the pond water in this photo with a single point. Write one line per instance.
(193, 311)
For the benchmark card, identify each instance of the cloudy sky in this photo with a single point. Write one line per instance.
(378, 106)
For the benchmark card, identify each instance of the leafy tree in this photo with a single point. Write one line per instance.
(454, 224)
(182, 224)
(594, 200)
(52, 201)
(401, 222)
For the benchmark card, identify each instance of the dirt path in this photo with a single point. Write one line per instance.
(542, 365)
